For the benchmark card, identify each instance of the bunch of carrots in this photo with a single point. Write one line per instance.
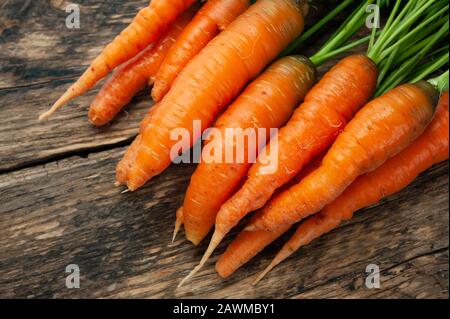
(364, 131)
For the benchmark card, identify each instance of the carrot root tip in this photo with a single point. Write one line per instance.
(215, 241)
(263, 274)
(176, 230)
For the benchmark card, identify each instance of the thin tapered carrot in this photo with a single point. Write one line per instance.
(267, 102)
(134, 75)
(248, 244)
(312, 129)
(431, 148)
(145, 28)
(380, 130)
(213, 78)
(212, 18)
(178, 222)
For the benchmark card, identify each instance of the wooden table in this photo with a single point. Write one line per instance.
(58, 205)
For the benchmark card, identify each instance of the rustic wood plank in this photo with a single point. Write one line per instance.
(69, 212)
(40, 58)
(37, 47)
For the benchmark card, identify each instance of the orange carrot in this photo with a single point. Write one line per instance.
(130, 155)
(124, 165)
(178, 222)
(213, 78)
(391, 177)
(133, 76)
(214, 17)
(267, 102)
(146, 27)
(248, 244)
(312, 129)
(383, 128)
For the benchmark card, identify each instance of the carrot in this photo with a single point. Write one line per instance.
(146, 27)
(133, 76)
(131, 153)
(312, 128)
(391, 177)
(213, 78)
(332, 105)
(248, 244)
(267, 102)
(383, 128)
(212, 18)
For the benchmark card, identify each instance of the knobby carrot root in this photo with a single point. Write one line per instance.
(134, 75)
(312, 128)
(248, 244)
(146, 27)
(267, 103)
(383, 128)
(213, 78)
(391, 177)
(214, 16)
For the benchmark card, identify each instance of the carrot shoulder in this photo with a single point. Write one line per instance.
(213, 78)
(391, 177)
(212, 18)
(267, 102)
(383, 128)
(133, 76)
(145, 28)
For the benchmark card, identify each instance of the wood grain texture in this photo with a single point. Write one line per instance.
(68, 212)
(39, 59)
(59, 206)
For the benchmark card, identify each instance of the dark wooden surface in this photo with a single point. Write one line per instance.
(58, 205)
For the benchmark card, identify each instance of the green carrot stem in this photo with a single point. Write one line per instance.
(373, 33)
(311, 31)
(427, 24)
(437, 51)
(389, 21)
(387, 66)
(405, 24)
(348, 29)
(400, 74)
(440, 83)
(430, 68)
(346, 21)
(387, 32)
(319, 59)
(414, 48)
